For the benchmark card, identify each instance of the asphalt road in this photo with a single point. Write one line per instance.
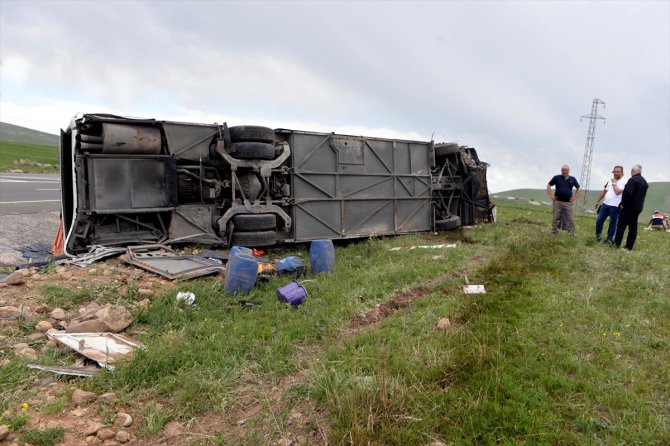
(28, 193)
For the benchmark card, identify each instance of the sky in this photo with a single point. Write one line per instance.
(511, 79)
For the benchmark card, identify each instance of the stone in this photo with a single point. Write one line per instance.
(41, 309)
(443, 323)
(91, 439)
(51, 344)
(111, 442)
(65, 275)
(15, 278)
(122, 436)
(107, 272)
(43, 326)
(145, 291)
(144, 303)
(123, 419)
(36, 336)
(81, 397)
(107, 398)
(93, 271)
(46, 382)
(78, 412)
(4, 431)
(9, 312)
(172, 429)
(241, 422)
(28, 353)
(109, 318)
(93, 428)
(58, 314)
(20, 345)
(105, 433)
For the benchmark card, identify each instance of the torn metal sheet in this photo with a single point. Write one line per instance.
(104, 348)
(70, 371)
(96, 253)
(168, 263)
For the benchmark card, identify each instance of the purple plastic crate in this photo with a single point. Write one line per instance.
(293, 293)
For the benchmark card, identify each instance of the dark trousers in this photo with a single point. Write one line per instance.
(628, 219)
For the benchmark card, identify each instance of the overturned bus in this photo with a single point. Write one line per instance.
(139, 181)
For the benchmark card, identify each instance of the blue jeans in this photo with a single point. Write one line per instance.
(607, 211)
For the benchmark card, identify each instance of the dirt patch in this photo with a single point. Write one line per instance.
(386, 309)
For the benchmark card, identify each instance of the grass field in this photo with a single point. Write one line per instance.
(658, 197)
(29, 158)
(569, 345)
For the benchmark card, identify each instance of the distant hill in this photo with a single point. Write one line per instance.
(658, 197)
(15, 133)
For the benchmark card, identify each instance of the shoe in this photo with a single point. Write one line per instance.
(608, 242)
(598, 238)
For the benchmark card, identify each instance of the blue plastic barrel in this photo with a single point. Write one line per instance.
(322, 256)
(239, 249)
(241, 272)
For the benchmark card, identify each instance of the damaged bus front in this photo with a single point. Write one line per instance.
(140, 181)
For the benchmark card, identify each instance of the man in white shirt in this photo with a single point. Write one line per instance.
(610, 198)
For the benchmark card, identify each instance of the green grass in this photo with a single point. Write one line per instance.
(570, 344)
(658, 197)
(30, 158)
(46, 437)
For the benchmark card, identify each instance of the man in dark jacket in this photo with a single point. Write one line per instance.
(632, 202)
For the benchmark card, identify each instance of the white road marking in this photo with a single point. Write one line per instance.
(34, 201)
(3, 180)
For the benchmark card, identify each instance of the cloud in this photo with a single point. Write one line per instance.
(506, 77)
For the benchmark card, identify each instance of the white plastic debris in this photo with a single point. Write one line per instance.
(186, 296)
(398, 248)
(472, 289)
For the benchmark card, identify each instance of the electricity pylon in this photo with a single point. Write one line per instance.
(585, 177)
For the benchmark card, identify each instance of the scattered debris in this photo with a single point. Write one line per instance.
(104, 348)
(399, 248)
(292, 293)
(70, 371)
(473, 289)
(95, 253)
(289, 264)
(186, 296)
(162, 260)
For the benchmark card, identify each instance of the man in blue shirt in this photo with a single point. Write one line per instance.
(563, 199)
